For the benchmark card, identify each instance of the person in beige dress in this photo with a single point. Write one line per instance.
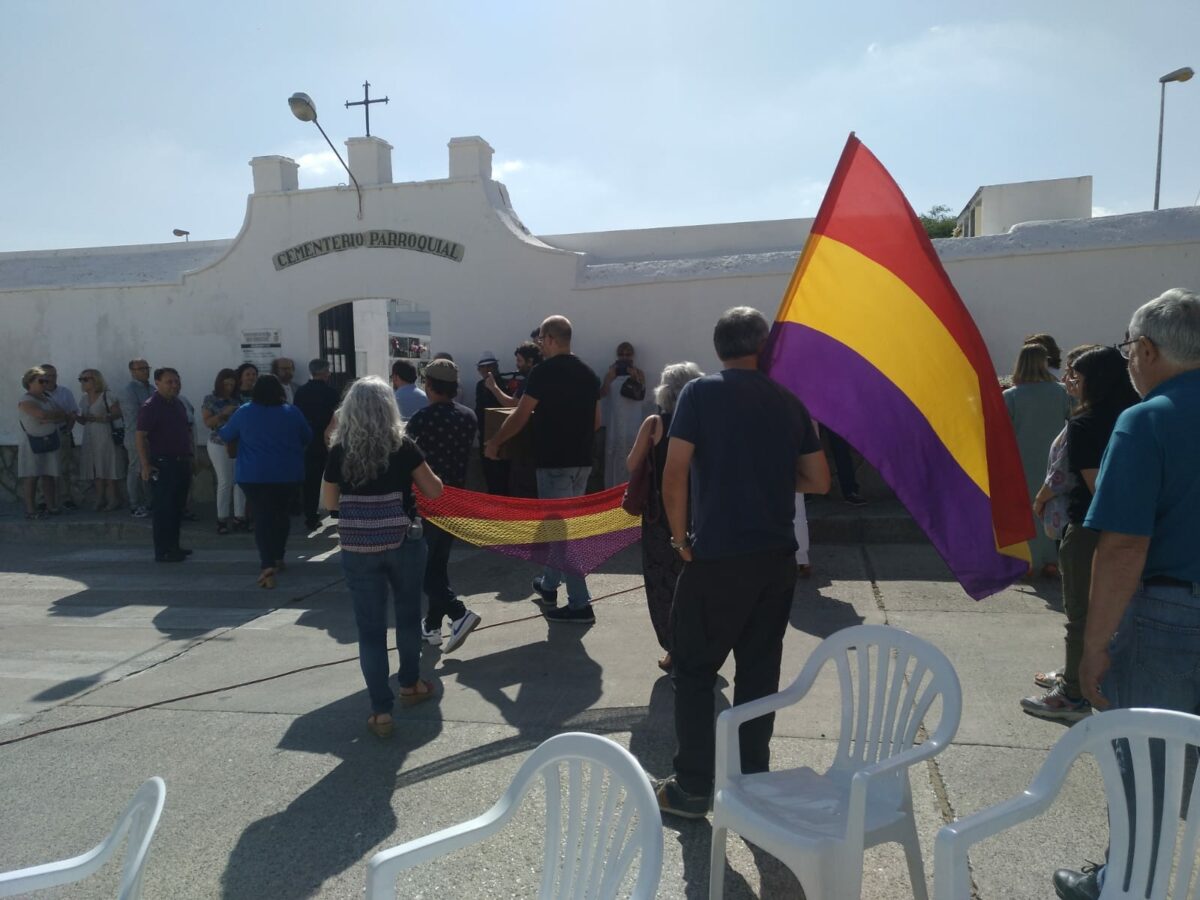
(39, 418)
(102, 461)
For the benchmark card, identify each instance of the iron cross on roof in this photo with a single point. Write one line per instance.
(365, 103)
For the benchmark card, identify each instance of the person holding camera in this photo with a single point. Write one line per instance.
(624, 387)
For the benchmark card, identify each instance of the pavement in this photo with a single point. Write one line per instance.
(250, 704)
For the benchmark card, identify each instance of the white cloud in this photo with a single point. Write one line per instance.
(508, 167)
(1098, 211)
(319, 163)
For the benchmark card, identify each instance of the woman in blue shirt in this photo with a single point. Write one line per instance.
(271, 435)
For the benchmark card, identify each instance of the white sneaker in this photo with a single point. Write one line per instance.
(460, 628)
(432, 638)
(139, 512)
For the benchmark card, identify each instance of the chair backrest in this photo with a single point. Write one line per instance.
(606, 819)
(889, 680)
(1141, 754)
(139, 821)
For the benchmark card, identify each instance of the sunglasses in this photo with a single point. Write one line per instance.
(83, 378)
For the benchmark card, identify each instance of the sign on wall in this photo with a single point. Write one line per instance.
(376, 238)
(261, 346)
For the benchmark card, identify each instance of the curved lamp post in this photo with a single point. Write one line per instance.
(306, 111)
(1178, 75)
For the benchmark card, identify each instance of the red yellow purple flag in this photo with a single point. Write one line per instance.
(574, 534)
(874, 339)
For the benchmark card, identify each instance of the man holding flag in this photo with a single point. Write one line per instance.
(749, 446)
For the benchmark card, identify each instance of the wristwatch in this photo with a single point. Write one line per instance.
(685, 544)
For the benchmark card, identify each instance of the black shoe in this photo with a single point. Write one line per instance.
(676, 801)
(171, 556)
(581, 616)
(854, 500)
(1072, 885)
(312, 524)
(546, 598)
(69, 505)
(184, 550)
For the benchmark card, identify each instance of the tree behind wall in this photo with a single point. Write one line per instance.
(939, 222)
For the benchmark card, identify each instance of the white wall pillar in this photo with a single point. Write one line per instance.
(470, 157)
(370, 159)
(273, 174)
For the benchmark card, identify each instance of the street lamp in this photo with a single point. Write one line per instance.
(179, 232)
(306, 111)
(1178, 75)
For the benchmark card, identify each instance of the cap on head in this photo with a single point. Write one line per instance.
(442, 370)
(488, 358)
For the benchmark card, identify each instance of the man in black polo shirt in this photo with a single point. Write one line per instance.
(560, 396)
(317, 399)
(749, 447)
(164, 449)
(445, 431)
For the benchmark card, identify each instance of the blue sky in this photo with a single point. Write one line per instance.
(123, 120)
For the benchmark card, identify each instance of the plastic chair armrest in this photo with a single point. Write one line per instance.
(729, 751)
(387, 864)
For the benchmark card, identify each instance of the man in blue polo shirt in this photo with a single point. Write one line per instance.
(1140, 648)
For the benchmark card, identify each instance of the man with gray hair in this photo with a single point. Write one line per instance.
(748, 446)
(1140, 647)
(132, 396)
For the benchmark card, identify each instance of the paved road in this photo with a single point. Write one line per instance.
(276, 790)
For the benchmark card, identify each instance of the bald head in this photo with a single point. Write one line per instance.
(555, 336)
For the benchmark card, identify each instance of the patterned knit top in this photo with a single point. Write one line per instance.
(374, 516)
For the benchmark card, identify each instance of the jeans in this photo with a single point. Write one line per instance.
(443, 601)
(368, 576)
(229, 496)
(169, 488)
(137, 491)
(739, 605)
(1075, 565)
(272, 522)
(553, 484)
(1156, 663)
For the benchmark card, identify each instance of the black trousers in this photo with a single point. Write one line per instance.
(314, 468)
(495, 475)
(272, 518)
(737, 605)
(169, 489)
(443, 601)
(843, 462)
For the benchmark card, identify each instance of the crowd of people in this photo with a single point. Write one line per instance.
(1109, 452)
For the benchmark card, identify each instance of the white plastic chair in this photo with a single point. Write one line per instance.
(818, 825)
(588, 855)
(139, 819)
(1170, 731)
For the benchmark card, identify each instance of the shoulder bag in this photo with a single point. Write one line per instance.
(118, 434)
(46, 443)
(633, 389)
(642, 494)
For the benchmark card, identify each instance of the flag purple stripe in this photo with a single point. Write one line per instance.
(578, 556)
(843, 390)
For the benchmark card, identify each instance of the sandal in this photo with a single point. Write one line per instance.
(222, 528)
(267, 579)
(380, 727)
(416, 693)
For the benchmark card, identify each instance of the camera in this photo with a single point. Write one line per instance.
(621, 367)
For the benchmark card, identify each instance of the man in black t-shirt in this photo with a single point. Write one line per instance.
(445, 431)
(561, 398)
(318, 400)
(749, 446)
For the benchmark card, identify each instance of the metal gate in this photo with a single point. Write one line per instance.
(336, 326)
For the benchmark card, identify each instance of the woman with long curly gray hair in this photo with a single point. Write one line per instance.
(369, 480)
(661, 565)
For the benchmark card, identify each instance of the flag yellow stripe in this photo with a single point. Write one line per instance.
(534, 531)
(865, 306)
